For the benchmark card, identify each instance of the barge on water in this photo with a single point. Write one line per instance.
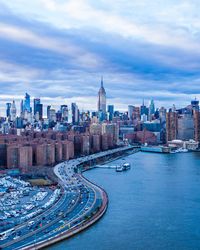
(156, 149)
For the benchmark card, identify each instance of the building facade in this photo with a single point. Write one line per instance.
(102, 98)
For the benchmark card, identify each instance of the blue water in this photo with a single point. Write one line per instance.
(155, 205)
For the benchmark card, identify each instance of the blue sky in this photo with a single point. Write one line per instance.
(58, 50)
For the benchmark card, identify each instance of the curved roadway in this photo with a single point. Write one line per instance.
(81, 205)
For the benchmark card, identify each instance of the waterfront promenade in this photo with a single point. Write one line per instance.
(83, 204)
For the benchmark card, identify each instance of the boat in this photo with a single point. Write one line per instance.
(180, 150)
(126, 166)
(123, 167)
(119, 168)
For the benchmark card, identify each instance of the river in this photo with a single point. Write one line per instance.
(155, 205)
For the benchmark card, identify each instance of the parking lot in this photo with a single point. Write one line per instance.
(19, 201)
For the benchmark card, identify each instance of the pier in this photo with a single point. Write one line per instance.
(105, 166)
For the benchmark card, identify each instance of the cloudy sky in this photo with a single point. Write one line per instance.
(58, 50)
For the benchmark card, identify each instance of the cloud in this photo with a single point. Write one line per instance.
(27, 37)
(58, 50)
(83, 14)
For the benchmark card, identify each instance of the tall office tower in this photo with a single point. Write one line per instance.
(52, 114)
(102, 98)
(171, 125)
(151, 108)
(59, 116)
(8, 107)
(13, 111)
(27, 103)
(110, 112)
(195, 104)
(64, 111)
(75, 113)
(144, 110)
(197, 125)
(36, 101)
(130, 112)
(38, 108)
(48, 111)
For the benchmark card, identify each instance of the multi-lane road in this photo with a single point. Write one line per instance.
(81, 201)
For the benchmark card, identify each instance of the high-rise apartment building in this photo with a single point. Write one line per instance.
(185, 127)
(171, 125)
(196, 125)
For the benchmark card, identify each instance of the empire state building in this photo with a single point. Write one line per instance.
(102, 98)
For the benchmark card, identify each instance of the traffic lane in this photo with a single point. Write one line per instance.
(72, 214)
(53, 231)
(54, 212)
(62, 228)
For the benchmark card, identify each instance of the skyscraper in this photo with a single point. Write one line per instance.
(144, 110)
(64, 111)
(151, 108)
(111, 112)
(8, 107)
(13, 111)
(75, 113)
(38, 107)
(36, 101)
(52, 114)
(102, 98)
(130, 112)
(48, 111)
(27, 103)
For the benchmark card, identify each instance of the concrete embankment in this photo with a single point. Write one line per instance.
(82, 165)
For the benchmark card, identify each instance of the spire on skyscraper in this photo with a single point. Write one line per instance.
(143, 102)
(101, 81)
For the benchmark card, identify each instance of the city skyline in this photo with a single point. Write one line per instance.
(99, 116)
(59, 54)
(44, 106)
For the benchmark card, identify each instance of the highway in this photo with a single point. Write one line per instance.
(80, 201)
